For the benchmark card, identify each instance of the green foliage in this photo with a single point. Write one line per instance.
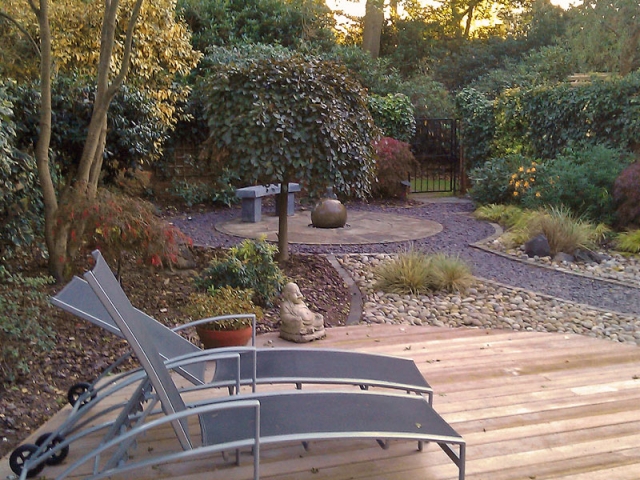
(549, 119)
(394, 163)
(290, 118)
(413, 272)
(505, 215)
(23, 330)
(491, 181)
(193, 191)
(428, 97)
(291, 23)
(223, 301)
(115, 223)
(20, 199)
(375, 74)
(249, 265)
(393, 114)
(628, 241)
(135, 131)
(478, 125)
(582, 180)
(626, 194)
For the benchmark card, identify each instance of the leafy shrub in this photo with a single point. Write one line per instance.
(478, 125)
(394, 163)
(193, 191)
(394, 115)
(580, 179)
(248, 265)
(135, 132)
(115, 223)
(626, 195)
(23, 332)
(223, 301)
(428, 97)
(628, 241)
(20, 199)
(413, 272)
(491, 182)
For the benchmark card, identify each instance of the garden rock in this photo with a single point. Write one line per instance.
(561, 257)
(587, 256)
(538, 246)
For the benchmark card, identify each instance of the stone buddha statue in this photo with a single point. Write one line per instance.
(298, 323)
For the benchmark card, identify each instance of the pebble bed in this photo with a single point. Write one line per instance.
(487, 304)
(614, 266)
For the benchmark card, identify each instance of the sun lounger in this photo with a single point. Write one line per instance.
(256, 419)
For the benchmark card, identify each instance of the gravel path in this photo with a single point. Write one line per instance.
(459, 232)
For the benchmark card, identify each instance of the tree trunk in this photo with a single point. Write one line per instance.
(283, 222)
(373, 20)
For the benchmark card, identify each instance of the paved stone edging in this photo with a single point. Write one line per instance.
(355, 307)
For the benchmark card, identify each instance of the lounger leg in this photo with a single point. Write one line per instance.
(306, 446)
(384, 444)
(364, 387)
(420, 445)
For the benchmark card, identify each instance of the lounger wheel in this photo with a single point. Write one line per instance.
(20, 456)
(59, 456)
(76, 391)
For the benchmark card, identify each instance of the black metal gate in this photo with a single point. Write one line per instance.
(436, 147)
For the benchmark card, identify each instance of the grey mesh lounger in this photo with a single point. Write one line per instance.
(272, 365)
(256, 419)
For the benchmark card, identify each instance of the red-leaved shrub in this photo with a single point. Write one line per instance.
(115, 223)
(394, 163)
(626, 194)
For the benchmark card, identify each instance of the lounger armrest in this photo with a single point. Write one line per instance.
(206, 356)
(219, 318)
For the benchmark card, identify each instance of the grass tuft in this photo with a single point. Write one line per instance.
(629, 241)
(413, 272)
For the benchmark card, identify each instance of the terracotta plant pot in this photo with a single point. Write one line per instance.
(224, 338)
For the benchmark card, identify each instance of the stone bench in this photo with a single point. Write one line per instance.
(252, 200)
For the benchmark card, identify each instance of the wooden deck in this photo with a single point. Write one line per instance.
(529, 405)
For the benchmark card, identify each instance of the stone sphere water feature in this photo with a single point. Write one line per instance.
(329, 213)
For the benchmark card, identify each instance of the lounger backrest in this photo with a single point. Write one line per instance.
(108, 290)
(79, 299)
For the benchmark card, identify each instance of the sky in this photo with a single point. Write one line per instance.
(357, 7)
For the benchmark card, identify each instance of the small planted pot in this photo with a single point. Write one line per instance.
(223, 338)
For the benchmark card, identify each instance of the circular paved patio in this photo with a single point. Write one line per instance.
(361, 228)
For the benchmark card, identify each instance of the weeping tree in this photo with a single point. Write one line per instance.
(278, 117)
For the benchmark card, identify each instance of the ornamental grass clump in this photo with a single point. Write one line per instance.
(449, 273)
(564, 232)
(413, 272)
(629, 241)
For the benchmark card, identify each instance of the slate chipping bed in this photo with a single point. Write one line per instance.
(460, 230)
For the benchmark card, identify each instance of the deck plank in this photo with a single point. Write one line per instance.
(529, 405)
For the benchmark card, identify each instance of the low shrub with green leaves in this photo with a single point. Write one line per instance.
(414, 272)
(628, 241)
(492, 181)
(223, 301)
(23, 328)
(581, 179)
(195, 191)
(248, 265)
